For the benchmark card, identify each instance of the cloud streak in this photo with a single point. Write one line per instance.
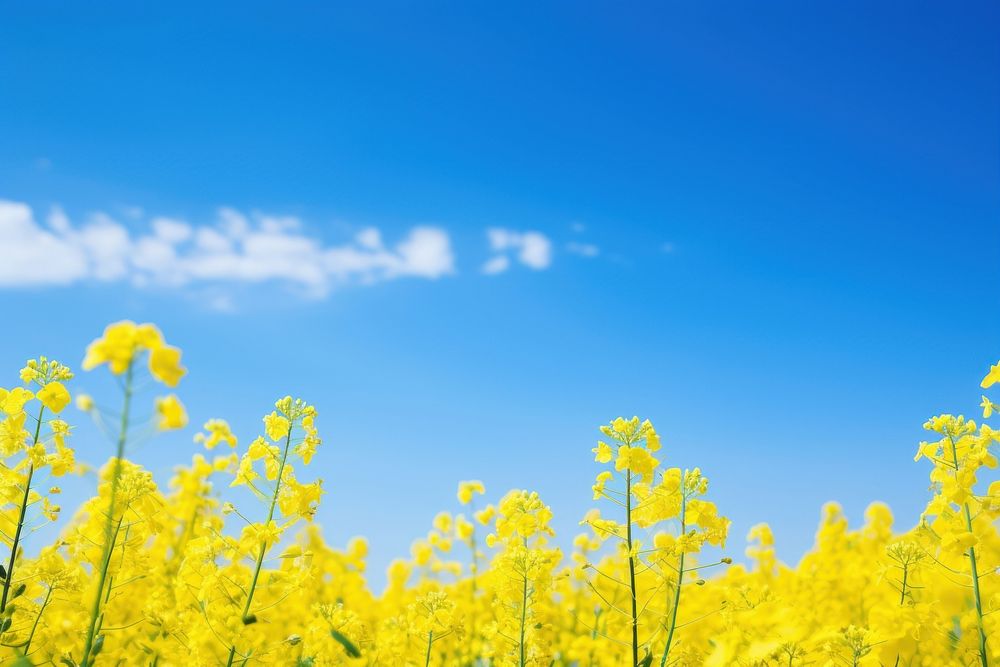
(236, 249)
(532, 249)
(588, 250)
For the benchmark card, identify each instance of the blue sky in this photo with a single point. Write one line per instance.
(771, 229)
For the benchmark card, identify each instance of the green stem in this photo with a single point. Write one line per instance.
(263, 546)
(677, 590)
(983, 656)
(631, 568)
(111, 580)
(9, 579)
(983, 659)
(110, 533)
(475, 569)
(430, 640)
(902, 598)
(34, 626)
(524, 616)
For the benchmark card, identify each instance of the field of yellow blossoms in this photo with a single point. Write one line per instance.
(166, 572)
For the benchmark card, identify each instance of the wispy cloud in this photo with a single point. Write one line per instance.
(496, 265)
(235, 249)
(583, 249)
(532, 249)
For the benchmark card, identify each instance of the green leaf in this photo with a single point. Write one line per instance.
(348, 645)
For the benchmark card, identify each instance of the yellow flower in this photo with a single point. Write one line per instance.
(464, 529)
(602, 480)
(84, 402)
(276, 426)
(300, 500)
(602, 453)
(218, 431)
(54, 396)
(442, 522)
(12, 434)
(117, 347)
(958, 542)
(258, 534)
(165, 365)
(466, 490)
(652, 438)
(171, 412)
(992, 377)
(62, 461)
(485, 515)
(988, 407)
(245, 474)
(12, 402)
(123, 341)
(636, 459)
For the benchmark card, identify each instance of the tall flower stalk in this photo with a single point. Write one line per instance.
(22, 512)
(245, 616)
(111, 526)
(46, 377)
(120, 347)
(651, 496)
(957, 457)
(291, 498)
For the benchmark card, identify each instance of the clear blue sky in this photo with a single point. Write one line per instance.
(773, 229)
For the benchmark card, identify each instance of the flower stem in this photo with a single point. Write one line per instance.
(983, 659)
(677, 590)
(263, 547)
(631, 568)
(474, 570)
(902, 597)
(524, 616)
(983, 656)
(9, 579)
(34, 626)
(110, 533)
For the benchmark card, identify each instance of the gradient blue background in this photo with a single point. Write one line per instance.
(827, 175)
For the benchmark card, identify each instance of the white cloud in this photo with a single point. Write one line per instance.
(173, 252)
(426, 252)
(132, 212)
(170, 230)
(31, 255)
(233, 223)
(58, 220)
(496, 265)
(533, 249)
(107, 245)
(583, 249)
(370, 238)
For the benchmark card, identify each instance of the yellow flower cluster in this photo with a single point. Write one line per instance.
(197, 572)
